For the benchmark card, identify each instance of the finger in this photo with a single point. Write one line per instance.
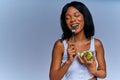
(71, 44)
(85, 60)
(72, 47)
(93, 58)
(89, 62)
(84, 57)
(80, 60)
(71, 52)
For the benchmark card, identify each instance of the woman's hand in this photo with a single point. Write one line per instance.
(71, 50)
(91, 65)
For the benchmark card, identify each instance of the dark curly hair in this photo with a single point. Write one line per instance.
(88, 26)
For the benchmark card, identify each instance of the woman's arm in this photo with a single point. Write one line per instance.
(101, 70)
(91, 65)
(57, 70)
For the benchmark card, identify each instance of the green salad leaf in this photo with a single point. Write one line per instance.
(74, 27)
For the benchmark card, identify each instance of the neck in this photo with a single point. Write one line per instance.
(80, 37)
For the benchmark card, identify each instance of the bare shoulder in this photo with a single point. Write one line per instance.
(99, 46)
(58, 45)
(98, 43)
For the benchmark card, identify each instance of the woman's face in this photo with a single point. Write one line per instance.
(74, 17)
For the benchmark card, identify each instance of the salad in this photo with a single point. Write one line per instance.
(88, 54)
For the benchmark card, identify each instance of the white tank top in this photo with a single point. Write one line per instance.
(76, 70)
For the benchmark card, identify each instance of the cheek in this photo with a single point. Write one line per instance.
(67, 22)
(81, 18)
(82, 23)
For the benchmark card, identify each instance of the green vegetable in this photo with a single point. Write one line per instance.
(74, 27)
(88, 55)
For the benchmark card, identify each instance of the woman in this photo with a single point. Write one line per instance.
(66, 63)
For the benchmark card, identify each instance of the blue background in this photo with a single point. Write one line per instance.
(29, 28)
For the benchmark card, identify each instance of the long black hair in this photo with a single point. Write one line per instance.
(88, 26)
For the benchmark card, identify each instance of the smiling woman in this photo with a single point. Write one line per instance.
(28, 29)
(65, 63)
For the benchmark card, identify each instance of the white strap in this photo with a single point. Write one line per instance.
(92, 47)
(65, 45)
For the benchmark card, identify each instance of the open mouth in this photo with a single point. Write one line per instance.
(74, 26)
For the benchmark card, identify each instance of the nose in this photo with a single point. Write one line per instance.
(73, 19)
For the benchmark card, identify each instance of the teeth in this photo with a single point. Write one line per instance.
(74, 24)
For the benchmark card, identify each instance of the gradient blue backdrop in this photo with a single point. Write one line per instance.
(29, 28)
